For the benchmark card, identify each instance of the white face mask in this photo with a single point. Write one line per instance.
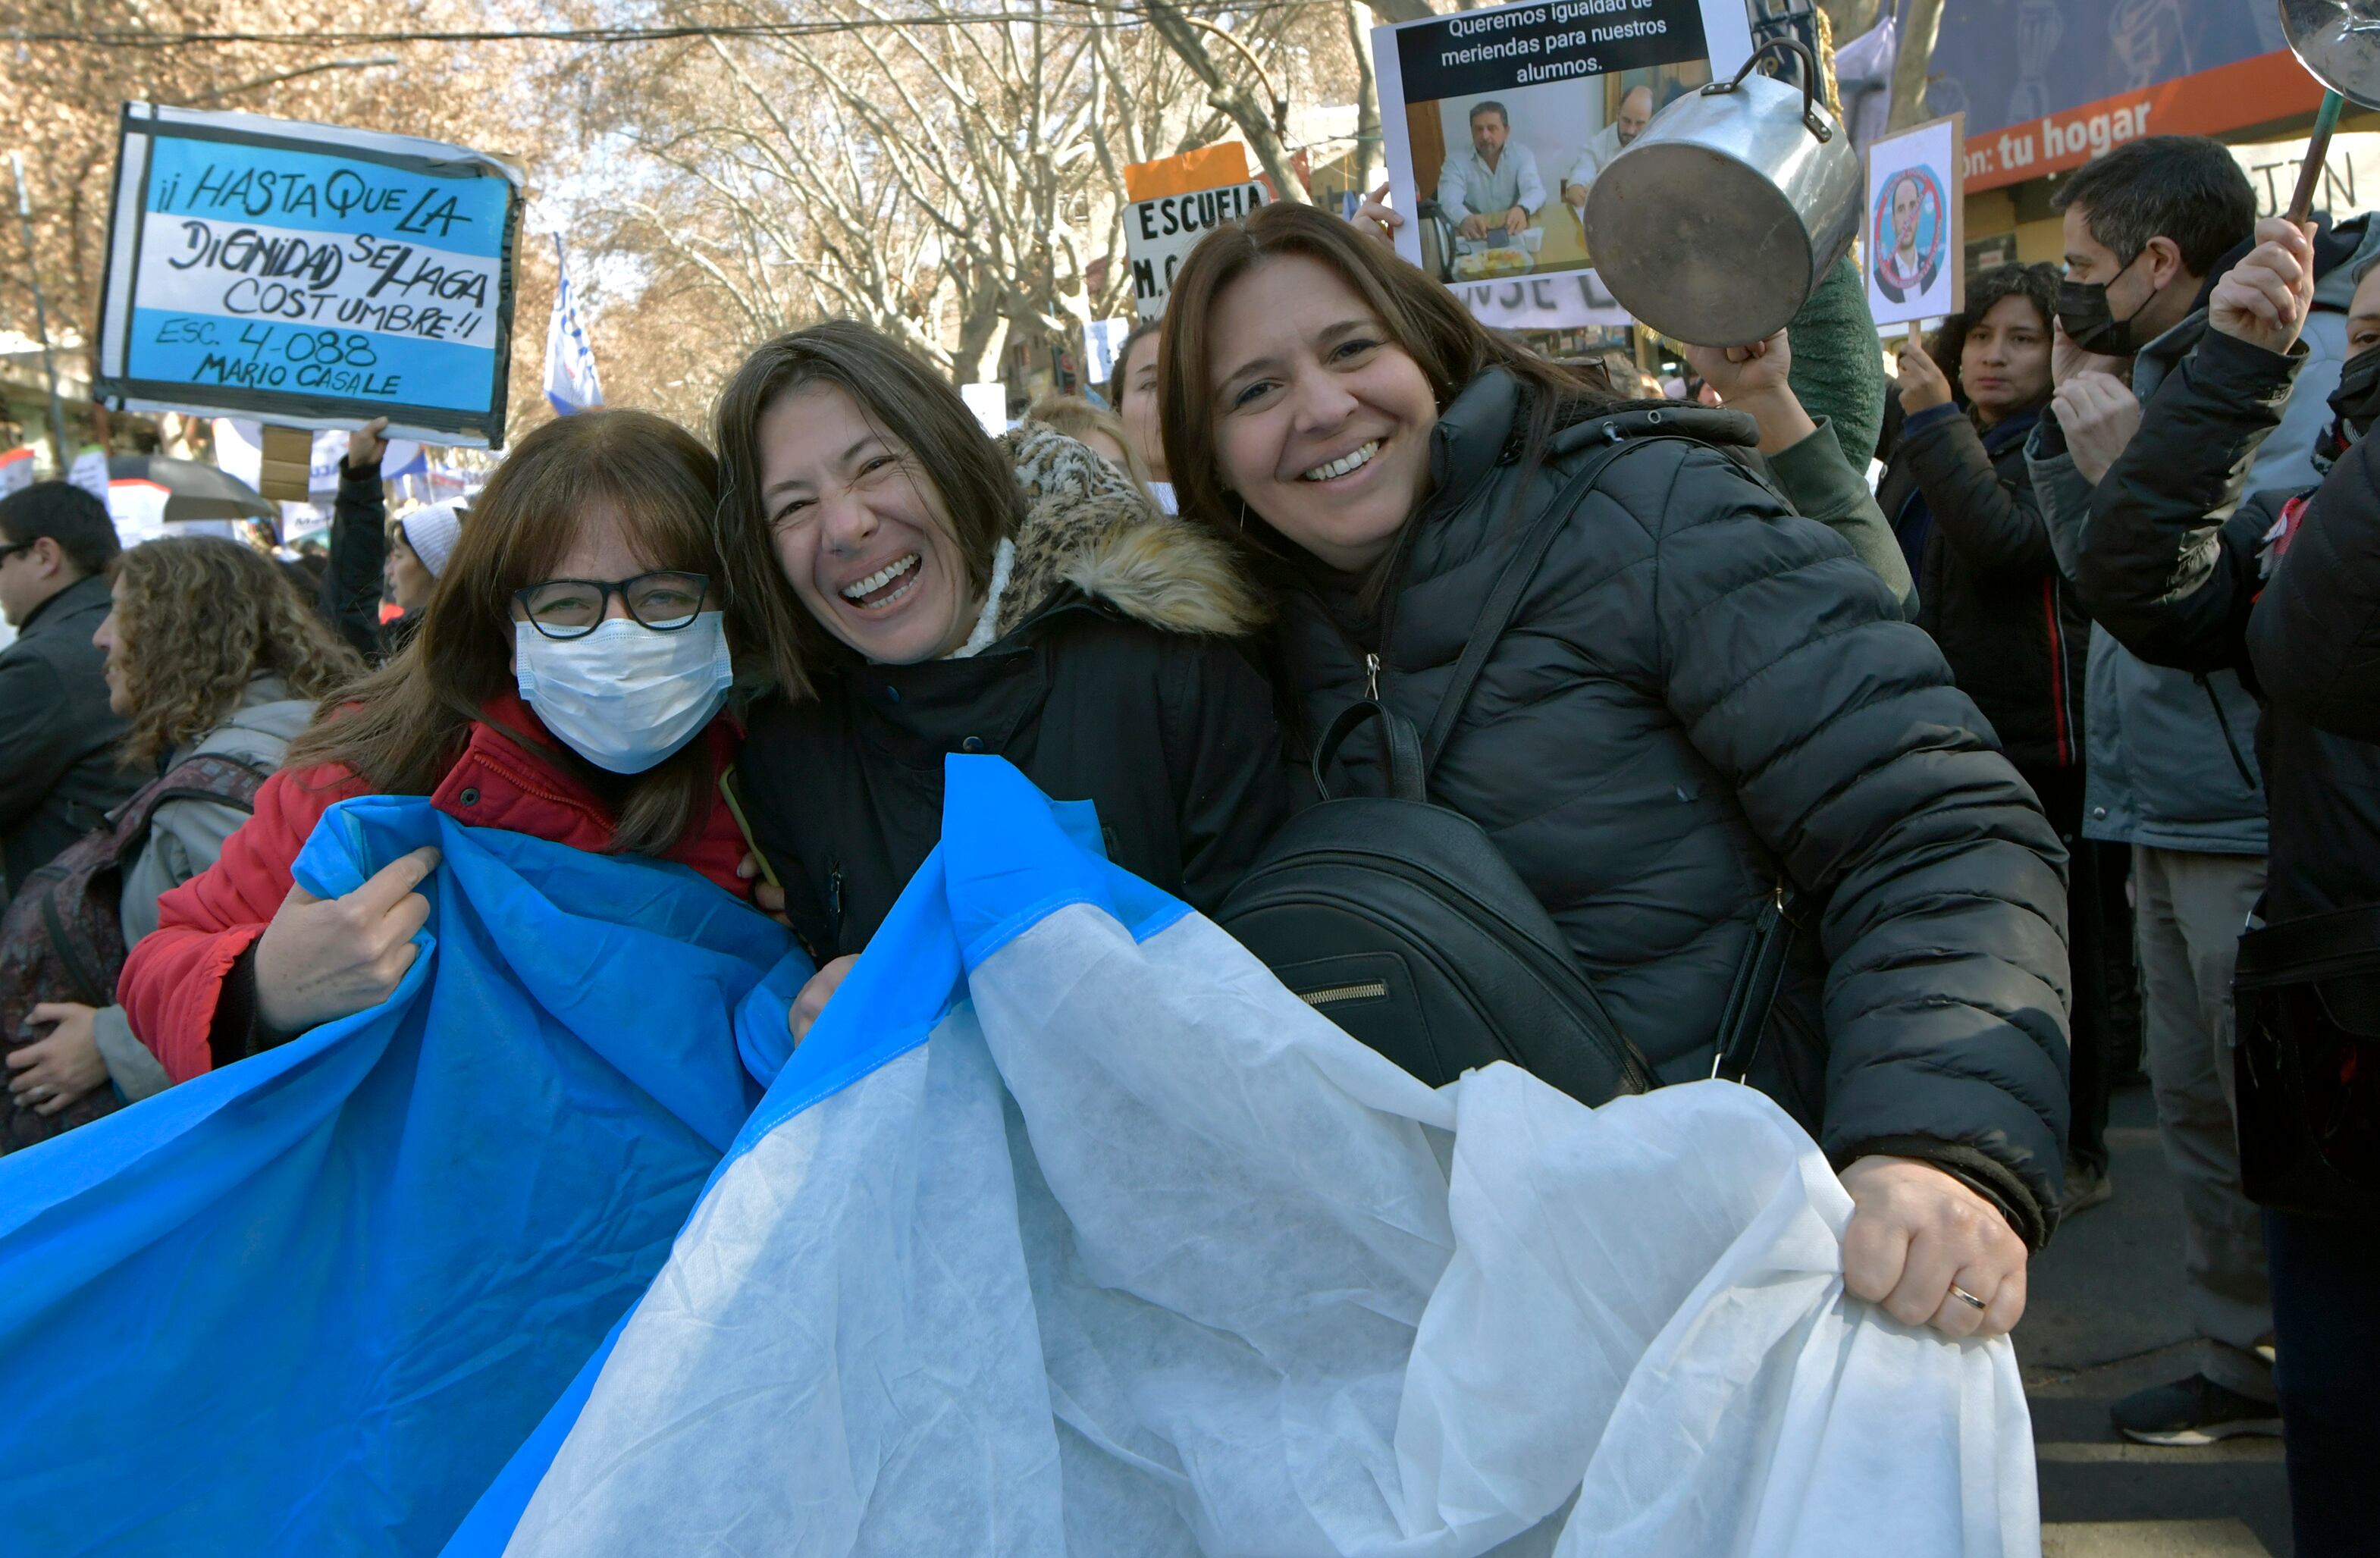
(626, 697)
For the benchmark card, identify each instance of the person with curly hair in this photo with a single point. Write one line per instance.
(209, 650)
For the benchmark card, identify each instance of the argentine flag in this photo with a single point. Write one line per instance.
(1067, 1230)
(570, 381)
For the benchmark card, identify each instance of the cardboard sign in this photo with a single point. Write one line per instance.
(239, 451)
(1176, 202)
(1499, 121)
(1914, 244)
(308, 276)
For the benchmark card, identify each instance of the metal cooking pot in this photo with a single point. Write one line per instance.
(1714, 225)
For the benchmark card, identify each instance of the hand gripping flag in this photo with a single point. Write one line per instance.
(570, 382)
(1069, 1230)
(309, 1303)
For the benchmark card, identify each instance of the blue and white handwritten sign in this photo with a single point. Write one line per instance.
(308, 274)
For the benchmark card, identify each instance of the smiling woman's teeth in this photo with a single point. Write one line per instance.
(1355, 461)
(879, 578)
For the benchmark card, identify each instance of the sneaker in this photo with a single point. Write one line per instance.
(2192, 1411)
(2085, 1187)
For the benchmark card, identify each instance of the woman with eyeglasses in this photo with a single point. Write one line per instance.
(566, 681)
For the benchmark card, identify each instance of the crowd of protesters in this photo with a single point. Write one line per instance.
(1992, 763)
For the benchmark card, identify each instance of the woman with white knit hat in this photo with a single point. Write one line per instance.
(417, 553)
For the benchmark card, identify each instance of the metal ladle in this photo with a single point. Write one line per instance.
(2338, 43)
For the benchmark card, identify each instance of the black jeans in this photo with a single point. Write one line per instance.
(2089, 1076)
(2326, 1276)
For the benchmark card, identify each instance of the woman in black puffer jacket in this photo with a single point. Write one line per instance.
(926, 591)
(1960, 497)
(1961, 501)
(1702, 698)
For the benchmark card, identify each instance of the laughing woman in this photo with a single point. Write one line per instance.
(929, 591)
(1703, 701)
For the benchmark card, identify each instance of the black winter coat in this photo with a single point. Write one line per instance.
(2315, 636)
(1118, 678)
(1704, 695)
(1988, 587)
(2179, 588)
(58, 740)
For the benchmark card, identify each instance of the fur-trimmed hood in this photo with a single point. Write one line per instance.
(1087, 525)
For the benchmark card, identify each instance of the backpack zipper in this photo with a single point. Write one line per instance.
(1602, 1031)
(1755, 986)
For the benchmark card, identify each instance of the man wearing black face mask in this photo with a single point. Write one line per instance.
(2170, 753)
(2183, 586)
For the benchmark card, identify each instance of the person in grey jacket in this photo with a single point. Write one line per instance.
(208, 649)
(58, 771)
(2170, 751)
(1704, 702)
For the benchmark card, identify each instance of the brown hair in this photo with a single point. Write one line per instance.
(402, 727)
(2037, 284)
(1078, 418)
(196, 618)
(1424, 320)
(1133, 337)
(913, 409)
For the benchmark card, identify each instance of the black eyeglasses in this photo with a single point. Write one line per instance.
(572, 608)
(15, 547)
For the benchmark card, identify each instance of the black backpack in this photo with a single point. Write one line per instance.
(61, 938)
(1402, 921)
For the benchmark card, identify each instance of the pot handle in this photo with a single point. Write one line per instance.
(1810, 117)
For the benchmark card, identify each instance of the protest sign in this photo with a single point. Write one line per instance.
(16, 470)
(310, 275)
(89, 471)
(1499, 121)
(1916, 256)
(988, 401)
(1176, 202)
(1101, 338)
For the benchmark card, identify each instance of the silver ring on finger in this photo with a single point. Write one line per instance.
(1963, 1297)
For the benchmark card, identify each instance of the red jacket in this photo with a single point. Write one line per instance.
(174, 979)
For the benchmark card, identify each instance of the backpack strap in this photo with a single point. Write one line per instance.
(210, 776)
(1403, 750)
(735, 809)
(1511, 585)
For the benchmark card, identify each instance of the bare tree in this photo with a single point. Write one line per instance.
(951, 184)
(65, 97)
(1912, 63)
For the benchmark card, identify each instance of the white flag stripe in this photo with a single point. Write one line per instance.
(283, 275)
(571, 384)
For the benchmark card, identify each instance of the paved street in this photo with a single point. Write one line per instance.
(2105, 1317)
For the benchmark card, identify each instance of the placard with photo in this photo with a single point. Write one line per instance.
(1499, 121)
(1913, 243)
